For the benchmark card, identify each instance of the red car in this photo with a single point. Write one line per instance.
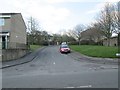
(64, 49)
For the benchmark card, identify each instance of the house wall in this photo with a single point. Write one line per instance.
(18, 29)
(113, 42)
(15, 26)
(12, 54)
(92, 34)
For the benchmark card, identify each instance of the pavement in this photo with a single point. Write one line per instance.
(75, 55)
(25, 59)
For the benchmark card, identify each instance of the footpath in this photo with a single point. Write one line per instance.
(25, 59)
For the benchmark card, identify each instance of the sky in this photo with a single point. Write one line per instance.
(56, 16)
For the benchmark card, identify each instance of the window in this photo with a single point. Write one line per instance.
(1, 22)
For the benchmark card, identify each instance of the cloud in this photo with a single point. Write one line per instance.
(100, 5)
(50, 17)
(97, 8)
(67, 1)
(112, 1)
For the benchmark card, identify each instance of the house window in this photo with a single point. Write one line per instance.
(1, 22)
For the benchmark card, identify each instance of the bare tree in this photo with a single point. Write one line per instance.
(116, 18)
(76, 32)
(105, 21)
(33, 33)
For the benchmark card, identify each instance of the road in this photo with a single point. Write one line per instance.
(51, 69)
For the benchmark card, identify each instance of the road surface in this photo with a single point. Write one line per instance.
(51, 69)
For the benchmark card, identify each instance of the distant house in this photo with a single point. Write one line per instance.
(113, 41)
(92, 34)
(12, 31)
(12, 36)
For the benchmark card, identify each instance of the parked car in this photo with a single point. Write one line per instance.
(63, 43)
(65, 49)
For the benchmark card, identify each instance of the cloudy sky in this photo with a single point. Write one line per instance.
(56, 15)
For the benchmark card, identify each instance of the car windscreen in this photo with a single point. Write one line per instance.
(64, 46)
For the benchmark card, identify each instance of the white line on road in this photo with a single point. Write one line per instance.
(54, 63)
(69, 87)
(87, 86)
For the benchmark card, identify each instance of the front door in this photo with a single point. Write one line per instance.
(3, 42)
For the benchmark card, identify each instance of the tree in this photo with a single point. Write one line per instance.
(77, 32)
(105, 21)
(34, 33)
(56, 38)
(116, 18)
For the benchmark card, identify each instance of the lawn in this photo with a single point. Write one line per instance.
(34, 47)
(96, 51)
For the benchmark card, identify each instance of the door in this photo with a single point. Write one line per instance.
(3, 42)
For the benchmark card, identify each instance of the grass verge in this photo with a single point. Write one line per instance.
(34, 47)
(96, 51)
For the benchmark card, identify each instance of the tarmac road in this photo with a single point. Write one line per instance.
(51, 69)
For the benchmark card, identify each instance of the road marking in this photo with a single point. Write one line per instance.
(69, 87)
(54, 63)
(7, 65)
(87, 86)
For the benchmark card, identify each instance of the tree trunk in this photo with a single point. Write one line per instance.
(118, 42)
(79, 42)
(108, 42)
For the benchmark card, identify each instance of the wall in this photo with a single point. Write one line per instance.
(113, 42)
(11, 54)
(18, 29)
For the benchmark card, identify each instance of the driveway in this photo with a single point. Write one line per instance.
(51, 69)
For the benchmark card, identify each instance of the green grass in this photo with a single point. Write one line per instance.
(96, 51)
(34, 47)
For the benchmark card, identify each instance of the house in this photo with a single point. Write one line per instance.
(113, 41)
(92, 35)
(12, 35)
(12, 31)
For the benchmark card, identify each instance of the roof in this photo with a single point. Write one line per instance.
(9, 13)
(111, 37)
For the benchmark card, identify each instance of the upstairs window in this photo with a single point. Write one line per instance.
(1, 22)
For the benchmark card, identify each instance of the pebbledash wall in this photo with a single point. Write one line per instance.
(12, 36)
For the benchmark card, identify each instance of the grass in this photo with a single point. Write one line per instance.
(34, 47)
(96, 51)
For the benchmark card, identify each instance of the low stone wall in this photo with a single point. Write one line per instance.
(11, 54)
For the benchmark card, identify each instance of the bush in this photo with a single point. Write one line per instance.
(44, 43)
(100, 43)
